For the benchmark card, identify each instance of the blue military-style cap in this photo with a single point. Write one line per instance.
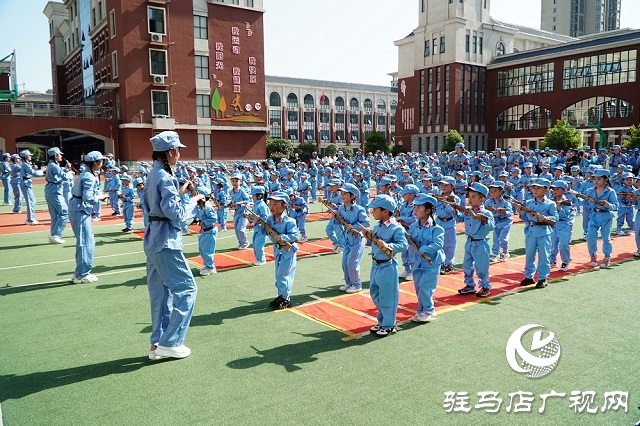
(626, 175)
(237, 176)
(385, 181)
(125, 177)
(497, 184)
(54, 151)
(165, 141)
(14, 156)
(601, 173)
(449, 180)
(560, 184)
(351, 188)
(479, 188)
(137, 181)
(124, 168)
(93, 156)
(410, 189)
(25, 153)
(383, 201)
(540, 182)
(258, 189)
(424, 199)
(279, 196)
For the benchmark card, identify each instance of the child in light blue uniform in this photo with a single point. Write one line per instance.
(447, 218)
(53, 194)
(285, 260)
(127, 194)
(405, 214)
(503, 222)
(15, 183)
(298, 210)
(353, 247)
(172, 288)
(85, 193)
(537, 234)
(239, 198)
(207, 238)
(112, 186)
(222, 199)
(258, 194)
(5, 173)
(601, 216)
(476, 249)
(561, 234)
(26, 187)
(429, 236)
(333, 196)
(139, 184)
(625, 207)
(637, 221)
(383, 279)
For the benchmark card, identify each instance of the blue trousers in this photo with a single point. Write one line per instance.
(30, 201)
(314, 191)
(172, 295)
(476, 258)
(385, 292)
(604, 226)
(222, 218)
(113, 201)
(500, 240)
(258, 241)
(625, 212)
(7, 190)
(585, 220)
(560, 239)
(406, 257)
(637, 230)
(127, 214)
(425, 281)
(285, 273)
(59, 213)
(331, 232)
(17, 200)
(450, 245)
(96, 209)
(300, 223)
(540, 245)
(351, 257)
(207, 247)
(240, 227)
(85, 242)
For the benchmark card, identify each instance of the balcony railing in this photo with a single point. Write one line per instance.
(30, 109)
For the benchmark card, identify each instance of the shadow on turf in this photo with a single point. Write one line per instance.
(290, 356)
(18, 386)
(6, 290)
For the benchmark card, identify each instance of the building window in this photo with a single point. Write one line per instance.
(202, 106)
(292, 101)
(466, 43)
(308, 102)
(600, 70)
(274, 100)
(158, 62)
(442, 44)
(204, 146)
(592, 110)
(354, 105)
(249, 3)
(339, 103)
(526, 80)
(234, 2)
(554, 28)
(200, 30)
(275, 120)
(368, 105)
(112, 22)
(435, 46)
(156, 17)
(160, 103)
(475, 44)
(202, 67)
(499, 49)
(426, 48)
(114, 64)
(480, 45)
(524, 117)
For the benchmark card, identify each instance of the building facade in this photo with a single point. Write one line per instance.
(326, 112)
(194, 66)
(442, 71)
(577, 18)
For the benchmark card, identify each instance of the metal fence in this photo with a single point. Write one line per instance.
(30, 109)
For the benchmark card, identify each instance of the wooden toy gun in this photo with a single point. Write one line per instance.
(252, 216)
(541, 218)
(369, 235)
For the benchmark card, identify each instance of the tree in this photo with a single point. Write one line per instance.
(347, 151)
(397, 149)
(376, 141)
(279, 148)
(561, 137)
(36, 155)
(331, 150)
(304, 150)
(634, 138)
(450, 141)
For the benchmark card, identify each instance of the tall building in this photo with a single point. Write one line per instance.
(442, 71)
(577, 18)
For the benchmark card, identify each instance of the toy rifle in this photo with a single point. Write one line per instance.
(328, 204)
(563, 203)
(467, 212)
(541, 218)
(417, 247)
(251, 215)
(630, 195)
(497, 210)
(340, 219)
(369, 235)
(587, 198)
(444, 198)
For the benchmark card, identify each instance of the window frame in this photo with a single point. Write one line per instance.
(153, 103)
(164, 20)
(166, 62)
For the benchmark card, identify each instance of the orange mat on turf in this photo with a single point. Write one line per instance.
(354, 314)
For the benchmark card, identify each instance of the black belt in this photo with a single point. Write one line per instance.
(537, 224)
(444, 219)
(474, 240)
(600, 211)
(378, 261)
(26, 178)
(209, 228)
(159, 219)
(75, 196)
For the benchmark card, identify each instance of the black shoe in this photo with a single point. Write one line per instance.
(541, 284)
(275, 302)
(527, 281)
(442, 269)
(114, 214)
(284, 304)
(126, 230)
(484, 292)
(195, 222)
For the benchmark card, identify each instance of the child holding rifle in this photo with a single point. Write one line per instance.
(603, 201)
(221, 199)
(349, 217)
(239, 199)
(283, 233)
(298, 210)
(126, 195)
(447, 217)
(207, 217)
(478, 222)
(626, 201)
(404, 215)
(539, 215)
(503, 218)
(260, 208)
(388, 239)
(636, 187)
(429, 237)
(561, 235)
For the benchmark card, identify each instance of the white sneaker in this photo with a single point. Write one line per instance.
(337, 249)
(495, 258)
(56, 240)
(620, 233)
(504, 257)
(173, 352)
(594, 261)
(243, 246)
(153, 356)
(409, 277)
(186, 233)
(85, 280)
(95, 219)
(33, 222)
(259, 263)
(344, 287)
(404, 274)
(353, 289)
(423, 316)
(208, 271)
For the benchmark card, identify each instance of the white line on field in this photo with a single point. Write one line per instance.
(1, 414)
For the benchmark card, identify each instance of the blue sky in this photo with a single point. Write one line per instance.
(340, 40)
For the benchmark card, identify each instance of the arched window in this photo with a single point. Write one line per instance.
(500, 50)
(592, 110)
(368, 105)
(382, 106)
(524, 117)
(292, 101)
(324, 102)
(354, 105)
(274, 99)
(339, 103)
(308, 101)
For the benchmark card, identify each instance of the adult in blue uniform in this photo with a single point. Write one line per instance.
(85, 194)
(5, 173)
(172, 288)
(54, 195)
(26, 187)
(601, 216)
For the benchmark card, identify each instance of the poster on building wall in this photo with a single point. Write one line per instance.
(238, 93)
(86, 45)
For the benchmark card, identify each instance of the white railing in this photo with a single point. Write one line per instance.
(30, 109)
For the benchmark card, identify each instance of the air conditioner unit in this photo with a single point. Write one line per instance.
(156, 37)
(158, 79)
